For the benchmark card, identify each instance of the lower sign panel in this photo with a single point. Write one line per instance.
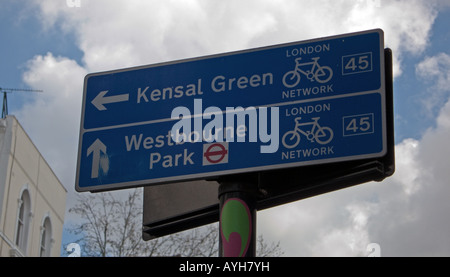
(295, 134)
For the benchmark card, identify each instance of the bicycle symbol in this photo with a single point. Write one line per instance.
(319, 134)
(321, 74)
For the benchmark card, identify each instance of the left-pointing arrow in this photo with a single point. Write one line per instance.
(95, 149)
(101, 99)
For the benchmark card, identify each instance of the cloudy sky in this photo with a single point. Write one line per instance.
(52, 44)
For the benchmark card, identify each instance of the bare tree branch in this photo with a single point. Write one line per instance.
(113, 227)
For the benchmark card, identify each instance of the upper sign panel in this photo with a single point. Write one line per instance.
(283, 73)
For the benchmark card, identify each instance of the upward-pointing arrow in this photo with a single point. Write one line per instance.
(95, 149)
(101, 99)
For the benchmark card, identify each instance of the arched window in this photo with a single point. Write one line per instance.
(46, 237)
(23, 221)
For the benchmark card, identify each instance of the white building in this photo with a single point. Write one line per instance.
(32, 199)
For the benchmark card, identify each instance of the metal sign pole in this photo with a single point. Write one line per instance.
(237, 224)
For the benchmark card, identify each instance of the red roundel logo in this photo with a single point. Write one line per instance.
(215, 153)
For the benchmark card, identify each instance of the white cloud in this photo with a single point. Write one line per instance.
(436, 71)
(351, 239)
(52, 120)
(436, 68)
(117, 33)
(407, 161)
(423, 229)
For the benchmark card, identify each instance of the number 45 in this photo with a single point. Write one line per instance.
(358, 125)
(363, 63)
(357, 63)
(364, 125)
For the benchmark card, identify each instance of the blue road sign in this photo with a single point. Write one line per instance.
(302, 103)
